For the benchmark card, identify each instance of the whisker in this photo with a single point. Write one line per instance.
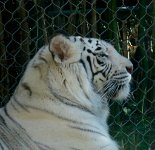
(112, 92)
(108, 90)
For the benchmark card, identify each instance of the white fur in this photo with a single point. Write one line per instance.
(46, 119)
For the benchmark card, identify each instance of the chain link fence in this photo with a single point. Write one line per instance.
(25, 26)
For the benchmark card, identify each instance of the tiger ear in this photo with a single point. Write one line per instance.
(64, 50)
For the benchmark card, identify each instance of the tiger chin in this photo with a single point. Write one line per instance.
(61, 102)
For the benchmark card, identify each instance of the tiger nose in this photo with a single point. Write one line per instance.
(129, 69)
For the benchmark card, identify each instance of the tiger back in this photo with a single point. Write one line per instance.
(61, 102)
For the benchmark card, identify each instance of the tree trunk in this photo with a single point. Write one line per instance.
(40, 24)
(151, 95)
(93, 19)
(143, 62)
(113, 27)
(24, 34)
(72, 20)
(83, 19)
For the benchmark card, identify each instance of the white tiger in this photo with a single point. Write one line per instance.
(61, 101)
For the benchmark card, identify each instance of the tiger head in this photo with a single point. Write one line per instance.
(108, 71)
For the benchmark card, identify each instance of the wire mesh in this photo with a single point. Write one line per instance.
(129, 24)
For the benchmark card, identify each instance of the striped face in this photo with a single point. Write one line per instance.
(109, 72)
